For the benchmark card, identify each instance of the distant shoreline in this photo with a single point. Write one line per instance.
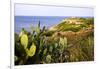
(48, 21)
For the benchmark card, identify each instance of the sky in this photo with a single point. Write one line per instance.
(40, 10)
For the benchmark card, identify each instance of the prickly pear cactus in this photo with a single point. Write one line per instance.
(31, 51)
(38, 29)
(48, 58)
(24, 41)
(63, 42)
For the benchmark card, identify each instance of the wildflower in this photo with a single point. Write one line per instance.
(32, 50)
(23, 38)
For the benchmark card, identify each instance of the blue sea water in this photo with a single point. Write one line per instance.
(26, 21)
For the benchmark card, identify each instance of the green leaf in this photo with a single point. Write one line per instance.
(48, 58)
(45, 51)
(50, 48)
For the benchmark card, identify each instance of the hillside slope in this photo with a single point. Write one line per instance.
(73, 24)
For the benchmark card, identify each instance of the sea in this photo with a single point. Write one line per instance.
(26, 21)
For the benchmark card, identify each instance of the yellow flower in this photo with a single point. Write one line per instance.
(24, 40)
(32, 50)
